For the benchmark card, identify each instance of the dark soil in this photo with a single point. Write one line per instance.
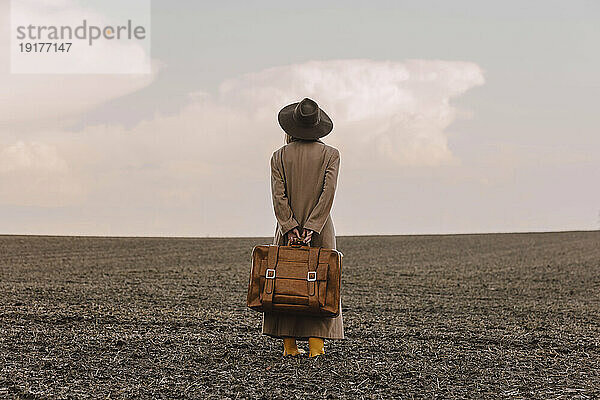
(454, 316)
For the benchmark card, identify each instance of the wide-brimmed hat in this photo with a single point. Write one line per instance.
(305, 120)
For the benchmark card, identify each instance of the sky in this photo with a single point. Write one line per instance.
(450, 117)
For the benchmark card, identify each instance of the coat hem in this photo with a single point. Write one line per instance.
(273, 335)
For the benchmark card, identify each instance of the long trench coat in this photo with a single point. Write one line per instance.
(303, 182)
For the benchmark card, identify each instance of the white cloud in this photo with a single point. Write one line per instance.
(41, 98)
(395, 110)
(34, 173)
(31, 156)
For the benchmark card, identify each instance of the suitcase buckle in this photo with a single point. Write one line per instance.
(270, 273)
(312, 276)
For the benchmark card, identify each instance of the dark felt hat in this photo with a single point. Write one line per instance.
(305, 120)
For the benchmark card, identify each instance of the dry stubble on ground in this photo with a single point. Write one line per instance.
(450, 316)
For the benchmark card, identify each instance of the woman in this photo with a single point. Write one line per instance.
(303, 181)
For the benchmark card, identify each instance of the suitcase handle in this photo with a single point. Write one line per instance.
(297, 243)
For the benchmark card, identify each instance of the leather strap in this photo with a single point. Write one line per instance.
(313, 262)
(269, 288)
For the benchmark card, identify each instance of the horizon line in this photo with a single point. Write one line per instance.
(270, 236)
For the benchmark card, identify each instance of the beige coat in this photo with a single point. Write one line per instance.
(309, 172)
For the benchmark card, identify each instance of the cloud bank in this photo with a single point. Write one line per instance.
(212, 156)
(394, 110)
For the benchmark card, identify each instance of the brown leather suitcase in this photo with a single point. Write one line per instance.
(295, 279)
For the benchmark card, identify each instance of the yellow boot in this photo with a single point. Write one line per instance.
(290, 348)
(316, 346)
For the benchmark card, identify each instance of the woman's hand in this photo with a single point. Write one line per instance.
(307, 235)
(292, 235)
